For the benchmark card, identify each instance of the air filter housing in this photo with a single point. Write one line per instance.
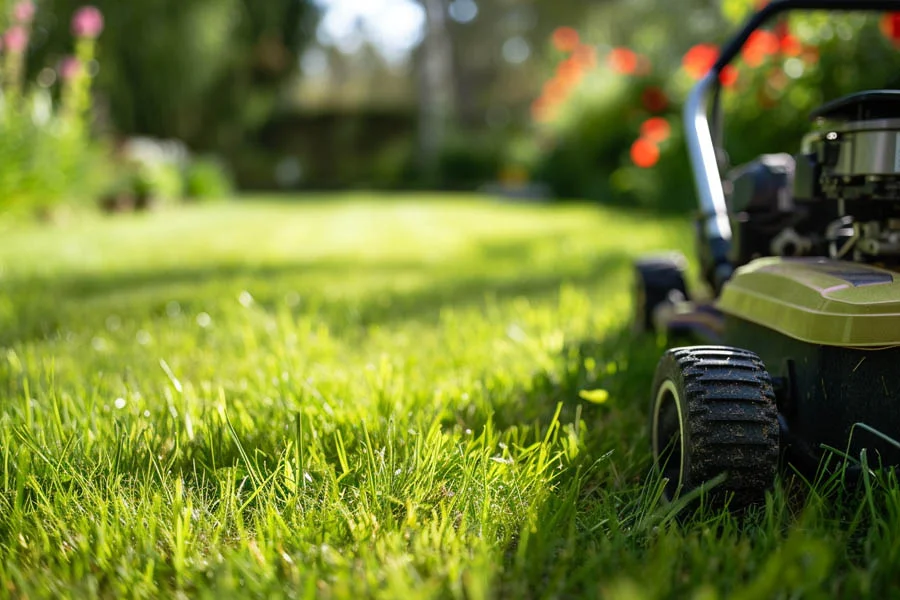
(854, 152)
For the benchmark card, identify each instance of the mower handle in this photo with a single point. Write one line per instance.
(702, 148)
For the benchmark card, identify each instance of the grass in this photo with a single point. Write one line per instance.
(368, 397)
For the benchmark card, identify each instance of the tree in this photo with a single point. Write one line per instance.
(436, 84)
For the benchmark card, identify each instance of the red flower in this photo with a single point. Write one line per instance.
(699, 60)
(644, 153)
(890, 27)
(760, 45)
(622, 60)
(790, 46)
(655, 129)
(729, 75)
(654, 99)
(565, 39)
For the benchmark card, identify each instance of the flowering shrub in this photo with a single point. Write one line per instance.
(611, 128)
(46, 154)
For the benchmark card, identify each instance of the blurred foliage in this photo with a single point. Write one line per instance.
(203, 71)
(207, 179)
(609, 127)
(47, 156)
(468, 159)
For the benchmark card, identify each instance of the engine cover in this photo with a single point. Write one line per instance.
(817, 300)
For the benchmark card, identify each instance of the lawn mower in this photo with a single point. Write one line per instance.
(795, 354)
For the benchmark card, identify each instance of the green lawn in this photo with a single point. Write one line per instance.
(367, 397)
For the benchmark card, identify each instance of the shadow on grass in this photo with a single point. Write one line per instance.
(44, 308)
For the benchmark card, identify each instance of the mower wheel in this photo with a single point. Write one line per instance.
(657, 280)
(713, 412)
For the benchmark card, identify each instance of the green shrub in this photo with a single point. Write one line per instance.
(468, 160)
(207, 179)
(394, 166)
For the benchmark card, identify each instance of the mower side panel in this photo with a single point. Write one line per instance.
(823, 391)
(818, 301)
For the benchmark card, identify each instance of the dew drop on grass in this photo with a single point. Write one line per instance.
(245, 299)
(147, 414)
(143, 338)
(120, 403)
(98, 344)
(204, 320)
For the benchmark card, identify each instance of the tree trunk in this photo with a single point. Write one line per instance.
(436, 94)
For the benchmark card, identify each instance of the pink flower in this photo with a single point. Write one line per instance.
(87, 22)
(16, 39)
(23, 12)
(69, 68)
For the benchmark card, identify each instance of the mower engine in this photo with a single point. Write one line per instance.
(839, 197)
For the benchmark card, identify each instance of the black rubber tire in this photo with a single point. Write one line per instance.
(719, 400)
(655, 279)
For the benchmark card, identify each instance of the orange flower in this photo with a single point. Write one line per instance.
(565, 39)
(790, 46)
(622, 60)
(890, 27)
(699, 60)
(728, 77)
(654, 99)
(655, 129)
(585, 55)
(760, 45)
(556, 90)
(569, 71)
(644, 153)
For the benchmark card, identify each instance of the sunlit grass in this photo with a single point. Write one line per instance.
(366, 396)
